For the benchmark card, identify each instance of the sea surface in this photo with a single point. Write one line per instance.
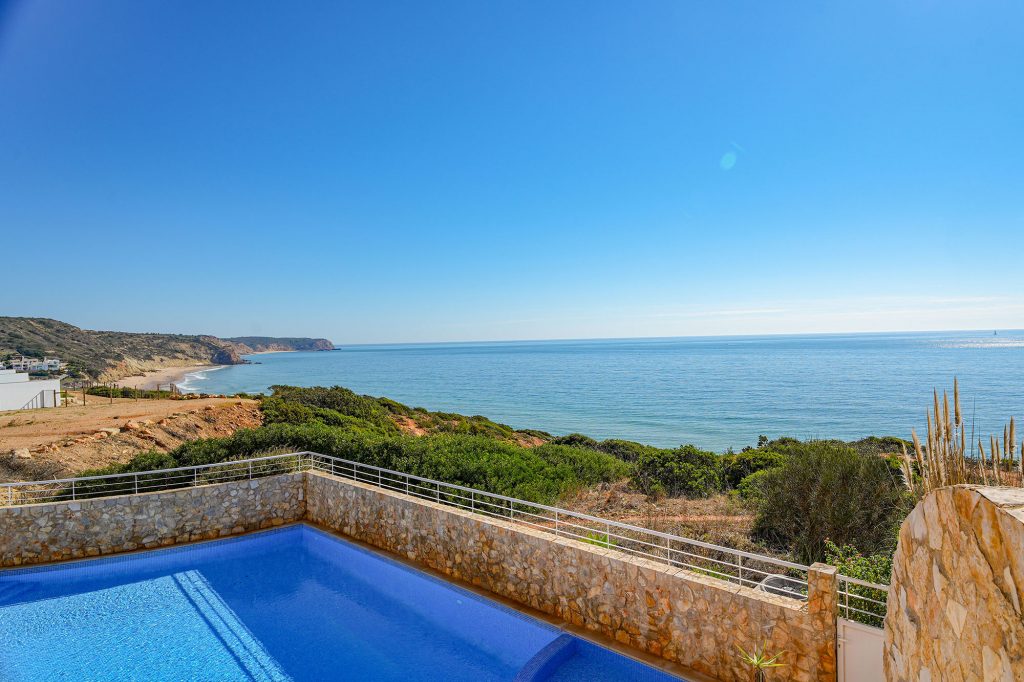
(715, 392)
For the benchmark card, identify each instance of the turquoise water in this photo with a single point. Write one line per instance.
(291, 604)
(716, 392)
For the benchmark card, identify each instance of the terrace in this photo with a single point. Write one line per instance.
(653, 595)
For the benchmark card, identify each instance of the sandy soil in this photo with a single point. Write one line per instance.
(34, 428)
(154, 378)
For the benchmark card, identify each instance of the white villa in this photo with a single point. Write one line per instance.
(20, 363)
(19, 392)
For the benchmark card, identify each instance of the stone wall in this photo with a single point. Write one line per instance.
(682, 616)
(69, 530)
(957, 589)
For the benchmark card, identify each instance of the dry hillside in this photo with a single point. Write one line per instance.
(57, 443)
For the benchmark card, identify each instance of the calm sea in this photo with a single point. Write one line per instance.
(716, 392)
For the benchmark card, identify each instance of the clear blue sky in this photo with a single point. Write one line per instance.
(426, 171)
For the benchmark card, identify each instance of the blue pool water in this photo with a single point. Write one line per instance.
(715, 392)
(290, 604)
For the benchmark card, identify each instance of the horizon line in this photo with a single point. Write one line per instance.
(683, 336)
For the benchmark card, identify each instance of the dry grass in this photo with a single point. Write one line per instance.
(943, 459)
(719, 519)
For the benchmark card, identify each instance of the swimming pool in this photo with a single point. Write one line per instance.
(289, 604)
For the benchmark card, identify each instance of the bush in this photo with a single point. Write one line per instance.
(686, 471)
(875, 568)
(625, 450)
(751, 487)
(826, 490)
(739, 466)
(576, 440)
(336, 398)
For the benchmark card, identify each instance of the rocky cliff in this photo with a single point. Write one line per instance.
(266, 344)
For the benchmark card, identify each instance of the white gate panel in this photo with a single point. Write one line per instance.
(859, 653)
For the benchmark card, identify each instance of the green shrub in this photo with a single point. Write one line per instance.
(686, 471)
(336, 398)
(625, 450)
(874, 568)
(751, 487)
(539, 474)
(576, 440)
(826, 490)
(737, 467)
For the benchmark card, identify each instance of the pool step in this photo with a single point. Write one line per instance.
(547, 660)
(11, 593)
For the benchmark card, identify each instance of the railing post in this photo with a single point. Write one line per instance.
(607, 534)
(250, 471)
(472, 501)
(739, 563)
(556, 522)
(72, 490)
(136, 484)
(195, 478)
(407, 484)
(822, 607)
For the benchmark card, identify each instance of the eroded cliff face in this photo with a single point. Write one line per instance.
(59, 443)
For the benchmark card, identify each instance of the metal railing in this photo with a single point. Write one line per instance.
(858, 599)
(85, 487)
(862, 601)
(769, 574)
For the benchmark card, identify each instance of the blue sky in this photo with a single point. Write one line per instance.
(410, 171)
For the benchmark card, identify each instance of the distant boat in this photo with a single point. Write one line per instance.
(995, 333)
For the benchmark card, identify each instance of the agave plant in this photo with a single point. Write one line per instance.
(759, 660)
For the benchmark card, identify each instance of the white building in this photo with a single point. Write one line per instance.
(20, 363)
(18, 392)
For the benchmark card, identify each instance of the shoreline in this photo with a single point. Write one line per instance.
(167, 375)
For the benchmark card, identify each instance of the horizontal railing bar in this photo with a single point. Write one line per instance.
(196, 467)
(862, 598)
(863, 583)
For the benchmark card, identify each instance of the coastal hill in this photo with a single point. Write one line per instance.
(108, 356)
(267, 344)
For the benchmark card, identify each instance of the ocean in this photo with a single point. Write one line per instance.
(714, 392)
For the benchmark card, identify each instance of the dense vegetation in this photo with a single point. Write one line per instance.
(338, 422)
(805, 494)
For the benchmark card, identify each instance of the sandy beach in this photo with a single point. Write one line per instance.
(161, 377)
